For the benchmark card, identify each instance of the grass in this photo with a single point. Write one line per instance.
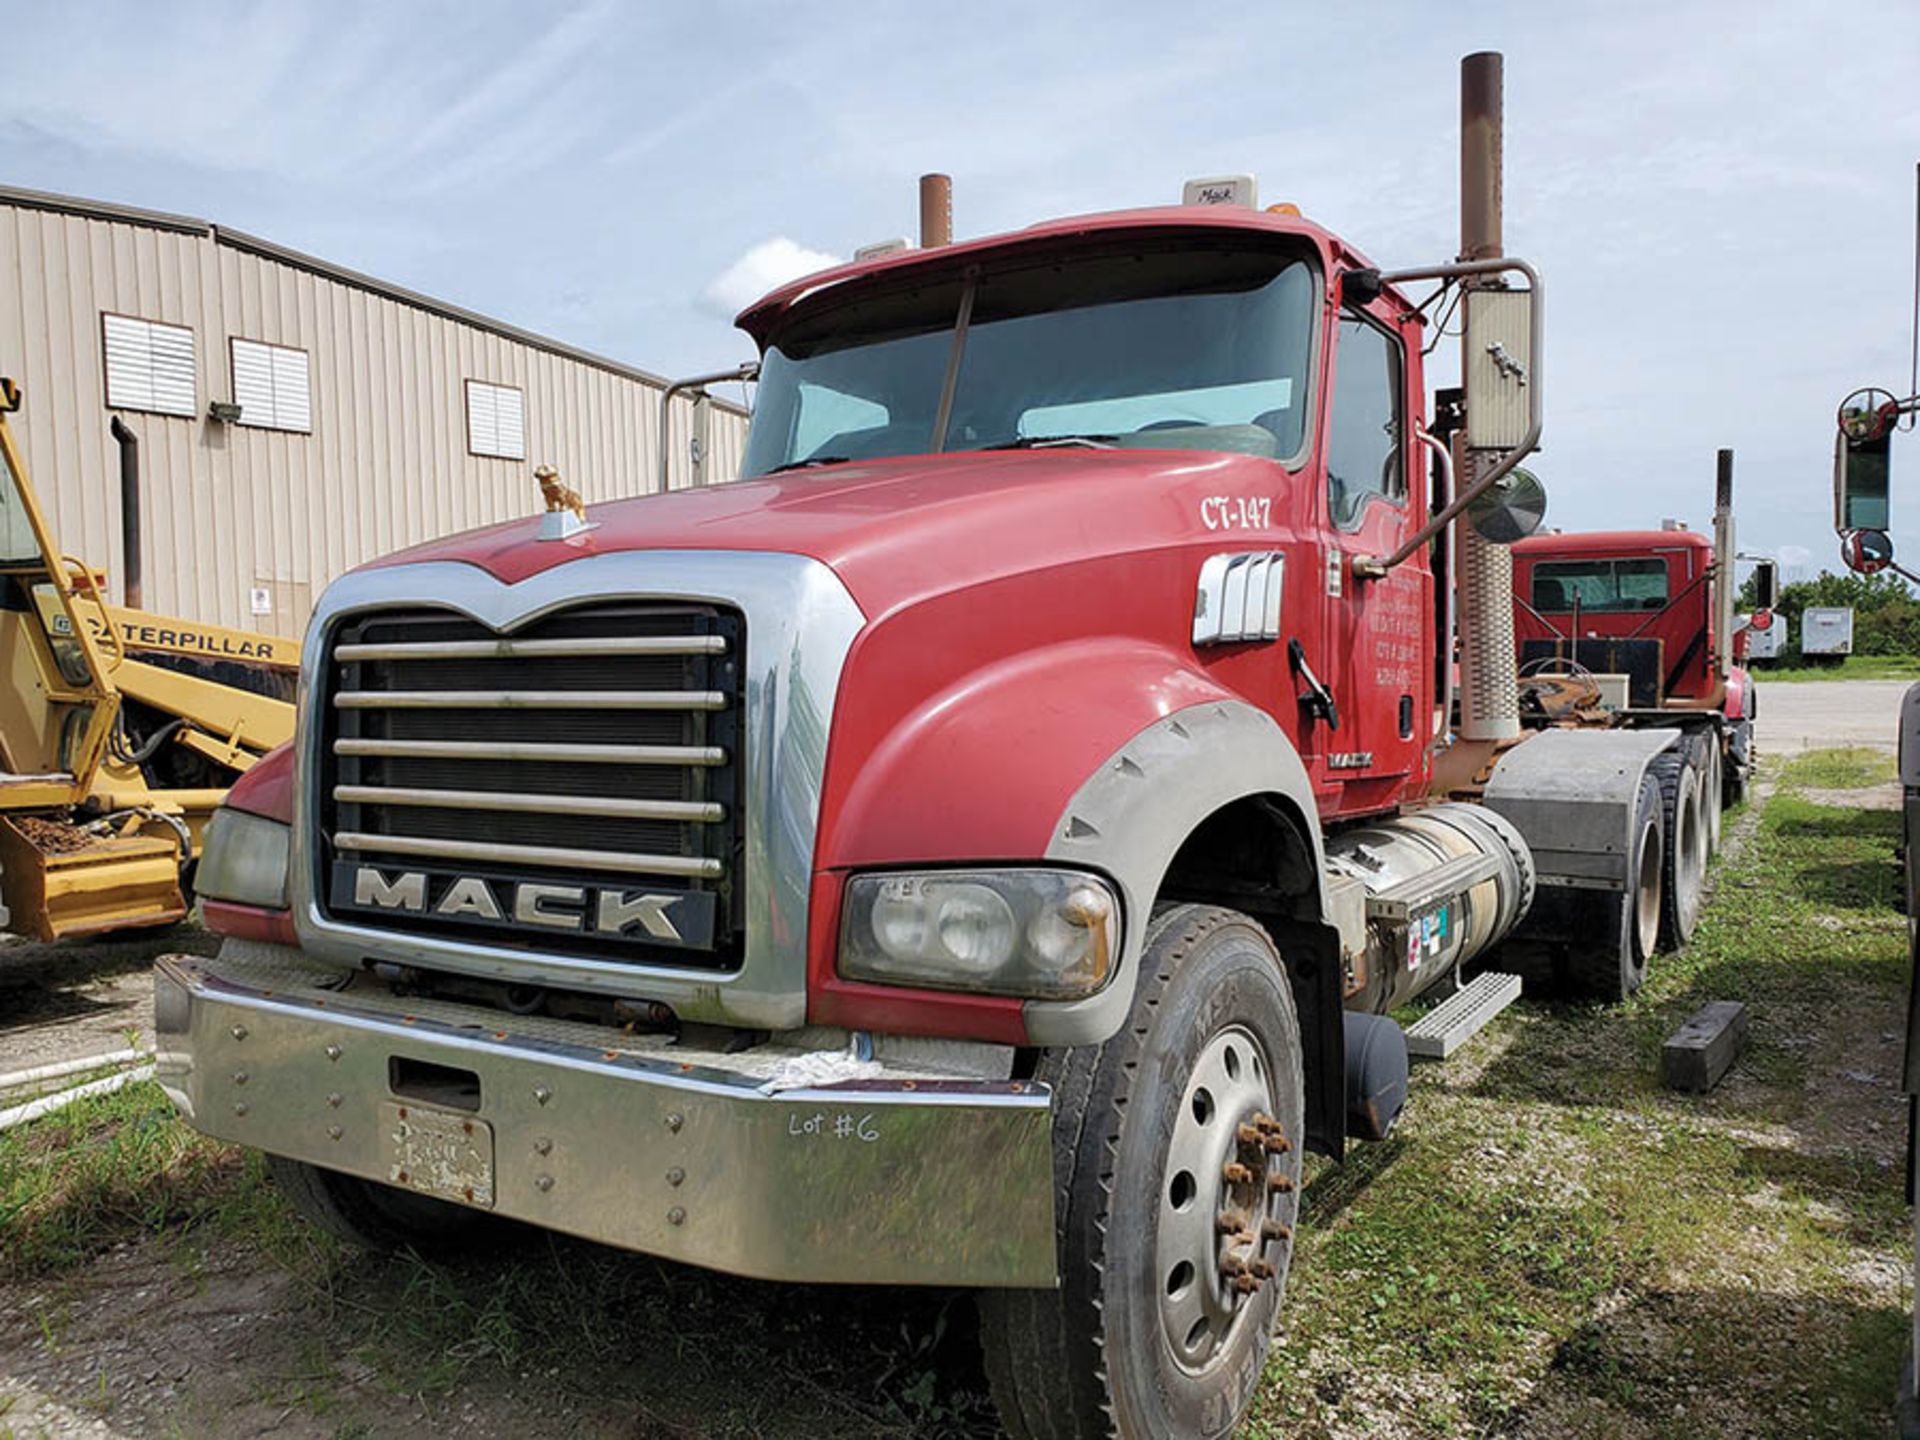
(1851, 667)
(1854, 768)
(1551, 1245)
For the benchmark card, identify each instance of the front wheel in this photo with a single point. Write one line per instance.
(1177, 1155)
(373, 1216)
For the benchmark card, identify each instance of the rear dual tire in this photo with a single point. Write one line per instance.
(1614, 965)
(1685, 779)
(1177, 1156)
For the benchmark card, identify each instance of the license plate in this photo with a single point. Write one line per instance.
(442, 1153)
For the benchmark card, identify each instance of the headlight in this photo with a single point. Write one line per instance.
(244, 859)
(1041, 934)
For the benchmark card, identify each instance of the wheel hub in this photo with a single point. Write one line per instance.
(1228, 1201)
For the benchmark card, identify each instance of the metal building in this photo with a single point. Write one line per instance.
(293, 418)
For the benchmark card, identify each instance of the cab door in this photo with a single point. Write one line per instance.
(1378, 651)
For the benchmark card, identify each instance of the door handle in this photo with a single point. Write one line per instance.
(1318, 699)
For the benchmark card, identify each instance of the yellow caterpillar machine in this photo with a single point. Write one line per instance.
(120, 731)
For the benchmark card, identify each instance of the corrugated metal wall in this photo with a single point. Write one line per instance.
(229, 508)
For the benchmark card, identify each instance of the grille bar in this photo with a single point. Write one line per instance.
(698, 812)
(555, 856)
(595, 645)
(522, 750)
(530, 700)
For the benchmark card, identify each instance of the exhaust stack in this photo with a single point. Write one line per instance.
(1489, 668)
(936, 211)
(1723, 562)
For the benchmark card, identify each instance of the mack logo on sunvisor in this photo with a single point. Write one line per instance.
(662, 917)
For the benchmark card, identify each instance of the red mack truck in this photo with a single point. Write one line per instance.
(978, 847)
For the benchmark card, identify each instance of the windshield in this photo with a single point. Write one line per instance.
(1159, 348)
(1559, 585)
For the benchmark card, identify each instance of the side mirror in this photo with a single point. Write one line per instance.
(1766, 587)
(1499, 378)
(1861, 470)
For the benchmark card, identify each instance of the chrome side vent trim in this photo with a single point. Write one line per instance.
(1238, 598)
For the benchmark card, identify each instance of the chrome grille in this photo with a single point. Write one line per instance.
(588, 758)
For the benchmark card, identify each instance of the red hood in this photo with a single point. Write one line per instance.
(896, 529)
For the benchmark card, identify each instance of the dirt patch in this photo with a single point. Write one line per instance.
(67, 1000)
(1873, 797)
(137, 1346)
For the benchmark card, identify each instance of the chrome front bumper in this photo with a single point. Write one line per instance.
(903, 1178)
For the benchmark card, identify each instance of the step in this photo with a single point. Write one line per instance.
(1453, 1022)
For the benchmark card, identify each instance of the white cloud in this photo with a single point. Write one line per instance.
(770, 263)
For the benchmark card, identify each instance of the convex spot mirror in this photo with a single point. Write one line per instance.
(1511, 509)
(1866, 552)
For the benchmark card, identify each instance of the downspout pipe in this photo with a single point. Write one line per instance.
(130, 577)
(748, 371)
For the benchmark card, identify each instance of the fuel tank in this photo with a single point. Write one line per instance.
(1443, 885)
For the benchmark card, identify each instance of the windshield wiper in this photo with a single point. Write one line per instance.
(1050, 442)
(809, 463)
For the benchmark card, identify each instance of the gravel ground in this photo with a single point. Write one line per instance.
(1812, 714)
(63, 1002)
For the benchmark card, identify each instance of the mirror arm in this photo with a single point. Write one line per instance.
(1373, 567)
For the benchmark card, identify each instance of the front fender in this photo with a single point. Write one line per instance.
(1132, 814)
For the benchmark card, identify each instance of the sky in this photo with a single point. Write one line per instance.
(1720, 197)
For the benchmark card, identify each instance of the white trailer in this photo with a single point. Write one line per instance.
(1827, 630)
(1765, 644)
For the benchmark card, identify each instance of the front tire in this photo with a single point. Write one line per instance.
(1177, 1156)
(372, 1216)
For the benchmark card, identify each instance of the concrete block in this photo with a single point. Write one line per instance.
(1704, 1049)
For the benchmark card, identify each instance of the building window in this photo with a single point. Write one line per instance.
(149, 366)
(496, 421)
(270, 385)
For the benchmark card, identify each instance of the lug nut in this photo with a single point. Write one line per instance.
(1235, 1173)
(543, 1182)
(1249, 1134)
(1280, 1184)
(1274, 1230)
(1228, 1221)
(1278, 1145)
(1245, 1284)
(1262, 1269)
